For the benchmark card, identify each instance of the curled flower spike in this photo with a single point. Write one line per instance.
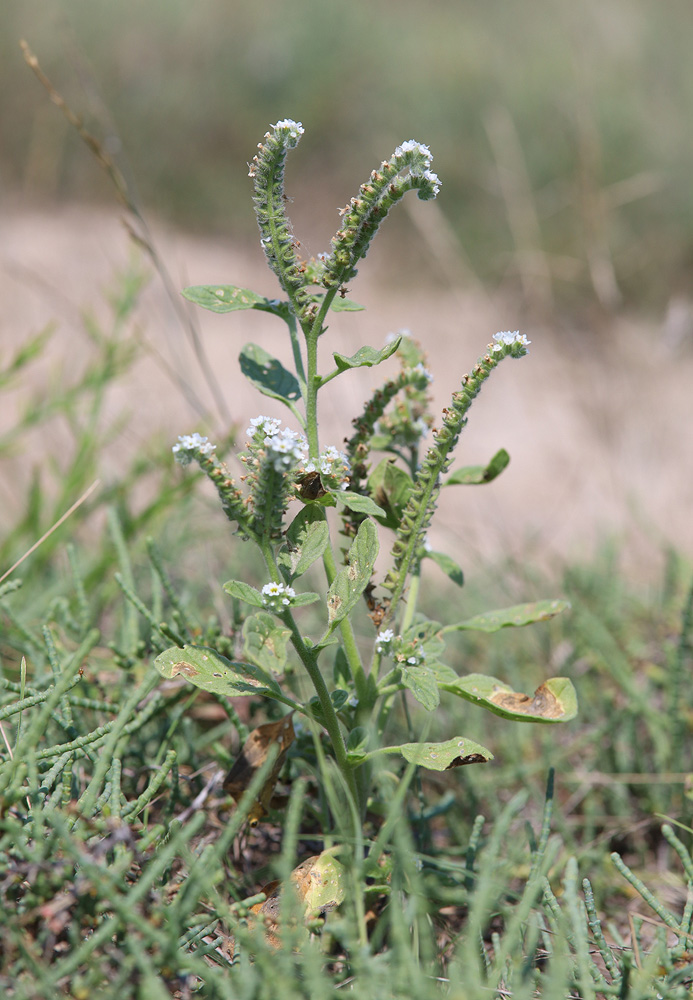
(194, 447)
(421, 505)
(408, 169)
(276, 236)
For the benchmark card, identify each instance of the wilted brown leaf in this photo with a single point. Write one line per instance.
(544, 703)
(252, 756)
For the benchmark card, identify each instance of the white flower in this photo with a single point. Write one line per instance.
(295, 129)
(411, 146)
(290, 124)
(353, 701)
(192, 443)
(508, 339)
(268, 425)
(433, 180)
(383, 639)
(275, 594)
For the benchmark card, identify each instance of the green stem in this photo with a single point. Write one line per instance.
(309, 660)
(410, 608)
(296, 350)
(363, 688)
(312, 386)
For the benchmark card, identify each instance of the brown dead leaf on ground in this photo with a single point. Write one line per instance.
(252, 756)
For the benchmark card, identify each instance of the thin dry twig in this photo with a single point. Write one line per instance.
(47, 534)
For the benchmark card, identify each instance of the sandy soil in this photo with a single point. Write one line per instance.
(598, 425)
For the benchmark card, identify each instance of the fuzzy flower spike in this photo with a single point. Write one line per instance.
(276, 237)
(409, 168)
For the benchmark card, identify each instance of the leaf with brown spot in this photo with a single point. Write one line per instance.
(253, 756)
(209, 670)
(442, 756)
(553, 701)
(350, 582)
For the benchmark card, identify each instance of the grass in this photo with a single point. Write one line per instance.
(126, 872)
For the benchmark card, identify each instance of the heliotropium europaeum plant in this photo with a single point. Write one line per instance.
(290, 481)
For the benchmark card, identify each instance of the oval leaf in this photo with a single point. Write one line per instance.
(351, 581)
(300, 600)
(391, 487)
(340, 305)
(472, 475)
(366, 357)
(268, 375)
(231, 298)
(358, 503)
(306, 540)
(321, 881)
(209, 670)
(423, 685)
(553, 701)
(244, 592)
(265, 641)
(444, 756)
(519, 614)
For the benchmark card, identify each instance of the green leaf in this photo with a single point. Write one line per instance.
(519, 614)
(357, 741)
(231, 298)
(472, 475)
(265, 641)
(244, 592)
(306, 540)
(351, 581)
(391, 487)
(358, 503)
(268, 375)
(554, 701)
(448, 566)
(366, 357)
(209, 670)
(428, 633)
(444, 756)
(423, 685)
(300, 600)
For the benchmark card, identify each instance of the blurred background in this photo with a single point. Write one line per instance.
(561, 132)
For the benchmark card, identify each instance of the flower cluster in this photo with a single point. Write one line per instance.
(192, 446)
(407, 421)
(276, 596)
(517, 342)
(334, 468)
(404, 652)
(273, 452)
(285, 447)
